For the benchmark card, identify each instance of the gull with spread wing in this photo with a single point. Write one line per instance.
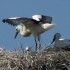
(36, 25)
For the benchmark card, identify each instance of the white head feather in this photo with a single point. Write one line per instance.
(19, 27)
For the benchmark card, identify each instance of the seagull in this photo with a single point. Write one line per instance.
(61, 43)
(36, 25)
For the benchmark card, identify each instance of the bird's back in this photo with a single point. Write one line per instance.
(62, 43)
(41, 28)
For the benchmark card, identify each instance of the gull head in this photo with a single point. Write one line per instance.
(56, 37)
(18, 28)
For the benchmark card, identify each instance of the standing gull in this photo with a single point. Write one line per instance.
(36, 25)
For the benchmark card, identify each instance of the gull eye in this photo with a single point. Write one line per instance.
(16, 29)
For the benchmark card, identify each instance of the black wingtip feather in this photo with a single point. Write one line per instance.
(4, 20)
(7, 21)
(47, 19)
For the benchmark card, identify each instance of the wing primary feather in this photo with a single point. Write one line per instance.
(47, 19)
(17, 21)
(4, 20)
(9, 21)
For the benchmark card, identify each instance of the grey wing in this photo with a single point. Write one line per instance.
(16, 21)
(46, 19)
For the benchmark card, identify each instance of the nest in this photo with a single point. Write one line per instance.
(43, 60)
